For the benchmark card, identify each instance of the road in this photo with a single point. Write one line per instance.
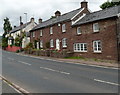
(8, 89)
(48, 76)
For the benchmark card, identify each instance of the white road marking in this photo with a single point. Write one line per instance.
(106, 82)
(12, 87)
(24, 63)
(54, 70)
(105, 67)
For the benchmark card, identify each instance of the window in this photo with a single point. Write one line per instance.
(51, 30)
(97, 46)
(41, 44)
(33, 34)
(51, 43)
(96, 27)
(64, 42)
(80, 47)
(78, 30)
(63, 28)
(41, 33)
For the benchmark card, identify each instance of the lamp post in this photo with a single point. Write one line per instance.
(26, 16)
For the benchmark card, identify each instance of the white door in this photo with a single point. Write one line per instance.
(57, 44)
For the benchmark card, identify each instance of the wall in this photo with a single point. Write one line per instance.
(107, 35)
(12, 48)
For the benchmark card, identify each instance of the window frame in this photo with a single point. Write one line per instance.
(97, 46)
(80, 49)
(63, 28)
(78, 32)
(41, 33)
(33, 34)
(51, 43)
(64, 42)
(94, 27)
(51, 30)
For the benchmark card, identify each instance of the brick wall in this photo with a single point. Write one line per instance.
(107, 35)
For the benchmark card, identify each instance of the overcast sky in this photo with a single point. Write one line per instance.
(44, 9)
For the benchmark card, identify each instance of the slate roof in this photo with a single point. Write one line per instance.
(61, 18)
(99, 15)
(19, 27)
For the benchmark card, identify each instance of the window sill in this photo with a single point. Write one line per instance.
(78, 34)
(64, 47)
(97, 52)
(96, 31)
(81, 51)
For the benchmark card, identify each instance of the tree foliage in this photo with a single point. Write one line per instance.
(109, 4)
(7, 26)
(4, 42)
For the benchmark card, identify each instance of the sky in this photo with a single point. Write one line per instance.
(44, 9)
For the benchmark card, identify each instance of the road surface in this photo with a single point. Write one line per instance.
(49, 76)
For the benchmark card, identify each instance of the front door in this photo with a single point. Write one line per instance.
(57, 44)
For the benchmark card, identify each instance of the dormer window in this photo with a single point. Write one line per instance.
(51, 30)
(63, 28)
(41, 33)
(96, 27)
(78, 31)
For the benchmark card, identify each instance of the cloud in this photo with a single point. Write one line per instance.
(44, 9)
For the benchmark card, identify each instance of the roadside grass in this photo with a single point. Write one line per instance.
(90, 59)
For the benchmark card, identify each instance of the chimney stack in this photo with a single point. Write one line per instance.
(20, 20)
(14, 26)
(32, 19)
(40, 20)
(57, 13)
(84, 4)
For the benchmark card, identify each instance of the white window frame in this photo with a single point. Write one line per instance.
(96, 49)
(41, 33)
(33, 34)
(51, 43)
(94, 27)
(51, 30)
(80, 49)
(78, 31)
(63, 27)
(41, 44)
(64, 42)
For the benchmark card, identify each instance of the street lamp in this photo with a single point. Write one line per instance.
(26, 17)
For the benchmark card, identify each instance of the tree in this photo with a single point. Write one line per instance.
(7, 26)
(109, 4)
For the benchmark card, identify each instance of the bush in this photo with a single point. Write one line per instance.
(48, 45)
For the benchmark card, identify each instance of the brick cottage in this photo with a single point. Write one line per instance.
(87, 34)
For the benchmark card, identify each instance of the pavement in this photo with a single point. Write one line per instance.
(79, 61)
(40, 75)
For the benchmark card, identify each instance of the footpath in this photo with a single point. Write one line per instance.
(77, 61)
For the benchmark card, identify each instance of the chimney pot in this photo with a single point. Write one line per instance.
(57, 13)
(84, 4)
(40, 20)
(32, 20)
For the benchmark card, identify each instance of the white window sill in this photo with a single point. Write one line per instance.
(80, 51)
(96, 31)
(64, 46)
(97, 51)
(64, 31)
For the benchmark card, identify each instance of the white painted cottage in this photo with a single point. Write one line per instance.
(23, 28)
